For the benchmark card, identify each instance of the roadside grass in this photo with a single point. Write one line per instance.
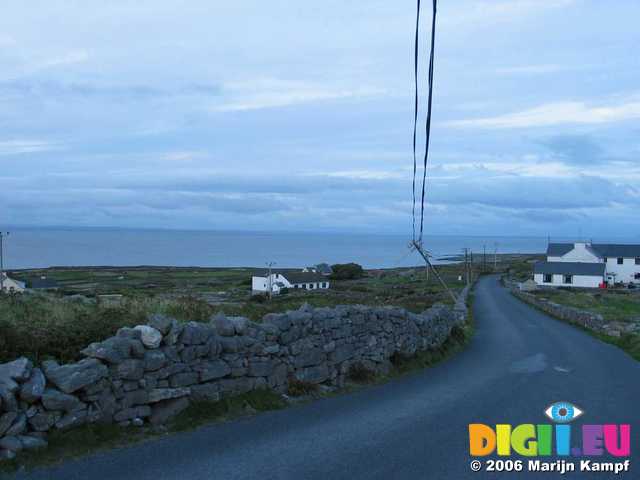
(93, 438)
(612, 305)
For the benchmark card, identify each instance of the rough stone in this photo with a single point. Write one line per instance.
(74, 376)
(19, 425)
(240, 324)
(6, 420)
(163, 411)
(56, 400)
(162, 323)
(130, 369)
(223, 325)
(8, 399)
(30, 442)
(160, 394)
(11, 443)
(7, 454)
(19, 369)
(154, 360)
(149, 336)
(260, 368)
(113, 350)
(205, 391)
(195, 333)
(32, 389)
(72, 419)
(44, 421)
(212, 370)
(183, 379)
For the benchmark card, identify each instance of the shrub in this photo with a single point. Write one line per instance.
(347, 271)
(299, 388)
(360, 374)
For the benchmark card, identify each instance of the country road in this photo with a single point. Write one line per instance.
(519, 362)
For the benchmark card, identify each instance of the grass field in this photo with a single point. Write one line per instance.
(61, 323)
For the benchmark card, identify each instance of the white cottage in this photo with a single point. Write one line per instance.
(9, 285)
(291, 280)
(584, 264)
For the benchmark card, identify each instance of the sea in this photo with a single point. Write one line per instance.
(48, 247)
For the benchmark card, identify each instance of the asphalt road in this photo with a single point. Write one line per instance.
(519, 362)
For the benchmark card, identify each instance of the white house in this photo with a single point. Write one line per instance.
(10, 285)
(290, 280)
(584, 264)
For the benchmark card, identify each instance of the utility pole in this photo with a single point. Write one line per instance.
(495, 257)
(484, 258)
(2, 235)
(430, 266)
(269, 281)
(466, 265)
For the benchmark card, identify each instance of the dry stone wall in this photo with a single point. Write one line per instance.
(149, 373)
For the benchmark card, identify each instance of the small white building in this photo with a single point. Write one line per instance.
(9, 285)
(584, 264)
(291, 280)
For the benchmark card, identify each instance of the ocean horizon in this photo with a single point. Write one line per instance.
(30, 247)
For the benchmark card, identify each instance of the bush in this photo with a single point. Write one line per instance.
(346, 271)
(299, 388)
(360, 374)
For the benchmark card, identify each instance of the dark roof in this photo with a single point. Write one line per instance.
(42, 283)
(617, 250)
(559, 249)
(570, 268)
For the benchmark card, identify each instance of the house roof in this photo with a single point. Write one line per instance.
(616, 250)
(559, 249)
(570, 268)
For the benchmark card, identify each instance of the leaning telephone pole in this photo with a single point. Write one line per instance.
(2, 235)
(269, 281)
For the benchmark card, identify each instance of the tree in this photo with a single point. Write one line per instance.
(346, 271)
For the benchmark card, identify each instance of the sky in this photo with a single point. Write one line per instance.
(297, 116)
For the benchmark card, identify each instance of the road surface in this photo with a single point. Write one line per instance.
(519, 362)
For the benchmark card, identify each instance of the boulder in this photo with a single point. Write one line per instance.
(72, 419)
(160, 394)
(19, 425)
(163, 411)
(154, 360)
(223, 325)
(115, 349)
(41, 422)
(240, 324)
(212, 370)
(32, 389)
(150, 337)
(6, 420)
(19, 369)
(130, 369)
(11, 443)
(30, 442)
(53, 399)
(195, 333)
(74, 376)
(162, 323)
(172, 337)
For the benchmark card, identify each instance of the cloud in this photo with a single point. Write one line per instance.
(558, 113)
(16, 147)
(575, 149)
(531, 69)
(273, 93)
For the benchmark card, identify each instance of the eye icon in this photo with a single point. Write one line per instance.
(563, 412)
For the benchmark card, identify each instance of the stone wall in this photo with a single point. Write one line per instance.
(151, 372)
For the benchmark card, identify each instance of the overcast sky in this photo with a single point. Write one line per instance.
(291, 115)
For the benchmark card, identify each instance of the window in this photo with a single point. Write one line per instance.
(637, 276)
(568, 279)
(311, 286)
(605, 259)
(324, 285)
(548, 278)
(620, 260)
(637, 260)
(296, 286)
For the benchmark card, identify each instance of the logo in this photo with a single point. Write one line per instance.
(530, 440)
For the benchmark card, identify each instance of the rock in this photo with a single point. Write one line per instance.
(74, 376)
(279, 320)
(240, 324)
(137, 422)
(195, 333)
(113, 350)
(130, 369)
(183, 379)
(163, 411)
(6, 420)
(149, 336)
(32, 390)
(128, 332)
(160, 394)
(8, 399)
(7, 454)
(72, 419)
(56, 400)
(317, 374)
(19, 369)
(260, 368)
(223, 325)
(19, 425)
(172, 337)
(137, 397)
(11, 443)
(162, 323)
(312, 356)
(205, 392)
(30, 442)
(154, 360)
(212, 370)
(41, 422)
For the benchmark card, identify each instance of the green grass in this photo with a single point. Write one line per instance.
(92, 438)
(613, 306)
